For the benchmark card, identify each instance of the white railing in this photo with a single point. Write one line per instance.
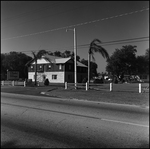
(109, 87)
(6, 83)
(13, 83)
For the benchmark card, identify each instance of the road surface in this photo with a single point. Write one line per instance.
(33, 121)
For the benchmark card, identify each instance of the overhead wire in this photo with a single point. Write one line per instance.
(131, 40)
(76, 25)
(52, 14)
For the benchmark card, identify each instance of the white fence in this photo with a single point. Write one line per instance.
(109, 87)
(13, 83)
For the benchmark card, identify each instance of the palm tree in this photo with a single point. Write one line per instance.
(37, 56)
(94, 47)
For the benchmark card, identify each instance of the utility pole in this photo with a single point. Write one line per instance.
(75, 57)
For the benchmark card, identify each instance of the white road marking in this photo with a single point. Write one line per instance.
(125, 122)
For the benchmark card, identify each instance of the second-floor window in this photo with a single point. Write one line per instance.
(31, 68)
(60, 67)
(49, 66)
(39, 67)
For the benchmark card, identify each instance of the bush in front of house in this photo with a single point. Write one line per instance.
(46, 82)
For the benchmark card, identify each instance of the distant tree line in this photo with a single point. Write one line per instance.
(14, 61)
(125, 62)
(122, 62)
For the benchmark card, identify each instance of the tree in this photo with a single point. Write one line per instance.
(14, 61)
(122, 61)
(70, 54)
(37, 56)
(94, 47)
(66, 54)
(142, 63)
(93, 67)
(58, 53)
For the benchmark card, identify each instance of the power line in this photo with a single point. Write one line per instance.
(131, 40)
(80, 24)
(52, 15)
(119, 41)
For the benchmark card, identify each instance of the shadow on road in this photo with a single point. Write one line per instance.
(13, 144)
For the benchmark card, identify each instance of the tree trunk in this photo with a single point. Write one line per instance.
(35, 73)
(89, 59)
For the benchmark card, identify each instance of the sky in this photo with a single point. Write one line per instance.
(33, 25)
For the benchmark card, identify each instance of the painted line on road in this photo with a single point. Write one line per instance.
(125, 123)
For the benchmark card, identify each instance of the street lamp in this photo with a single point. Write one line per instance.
(75, 57)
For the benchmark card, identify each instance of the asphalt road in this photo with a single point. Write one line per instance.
(33, 121)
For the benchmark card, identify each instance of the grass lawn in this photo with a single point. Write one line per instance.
(122, 93)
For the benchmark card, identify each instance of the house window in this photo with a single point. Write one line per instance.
(54, 77)
(60, 67)
(31, 68)
(49, 67)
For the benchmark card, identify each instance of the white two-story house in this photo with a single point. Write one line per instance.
(57, 70)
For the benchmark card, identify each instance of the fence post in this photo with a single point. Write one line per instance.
(65, 85)
(86, 86)
(24, 83)
(111, 87)
(140, 88)
(13, 83)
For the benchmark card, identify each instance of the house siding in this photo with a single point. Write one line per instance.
(47, 75)
(63, 72)
(69, 77)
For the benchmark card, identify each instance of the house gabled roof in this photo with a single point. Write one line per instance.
(52, 58)
(62, 60)
(80, 64)
(55, 59)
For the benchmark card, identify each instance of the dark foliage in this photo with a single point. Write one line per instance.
(46, 82)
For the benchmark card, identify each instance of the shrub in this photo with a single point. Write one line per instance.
(46, 82)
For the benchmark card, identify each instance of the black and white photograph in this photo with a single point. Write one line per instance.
(74, 74)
